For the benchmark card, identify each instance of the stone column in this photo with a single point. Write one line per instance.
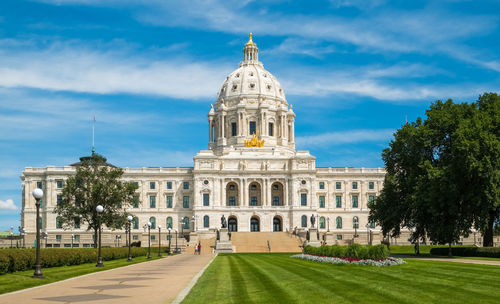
(223, 193)
(241, 192)
(285, 193)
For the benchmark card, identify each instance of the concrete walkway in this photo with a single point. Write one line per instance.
(469, 261)
(158, 281)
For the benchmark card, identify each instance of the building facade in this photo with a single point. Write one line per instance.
(251, 173)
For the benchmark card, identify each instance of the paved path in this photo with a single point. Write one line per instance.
(158, 281)
(469, 261)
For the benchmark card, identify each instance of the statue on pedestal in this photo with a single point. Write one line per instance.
(313, 220)
(223, 222)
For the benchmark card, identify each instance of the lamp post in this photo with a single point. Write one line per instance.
(176, 248)
(99, 210)
(72, 238)
(149, 240)
(38, 194)
(129, 218)
(195, 217)
(169, 239)
(368, 234)
(182, 226)
(159, 240)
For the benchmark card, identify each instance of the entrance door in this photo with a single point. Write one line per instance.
(254, 224)
(232, 224)
(276, 224)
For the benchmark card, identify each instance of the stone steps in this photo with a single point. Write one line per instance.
(258, 242)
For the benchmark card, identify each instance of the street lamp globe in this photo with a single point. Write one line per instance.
(99, 208)
(159, 226)
(149, 224)
(37, 193)
(130, 218)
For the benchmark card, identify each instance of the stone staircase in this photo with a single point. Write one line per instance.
(265, 242)
(206, 246)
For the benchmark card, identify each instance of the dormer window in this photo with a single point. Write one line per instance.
(252, 86)
(235, 86)
(237, 75)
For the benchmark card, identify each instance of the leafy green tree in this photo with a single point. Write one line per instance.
(95, 183)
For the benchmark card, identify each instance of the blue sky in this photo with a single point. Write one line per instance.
(149, 70)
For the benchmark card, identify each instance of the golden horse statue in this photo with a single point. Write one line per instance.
(254, 142)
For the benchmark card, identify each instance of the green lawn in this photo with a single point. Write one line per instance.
(22, 279)
(276, 278)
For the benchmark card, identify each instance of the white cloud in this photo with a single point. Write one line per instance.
(345, 137)
(8, 205)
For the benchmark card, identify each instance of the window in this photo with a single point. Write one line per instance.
(152, 220)
(135, 223)
(338, 185)
(232, 201)
(355, 222)
(372, 224)
(152, 201)
(153, 237)
(169, 222)
(271, 129)
(59, 199)
(39, 185)
(136, 184)
(77, 237)
(276, 201)
(253, 187)
(303, 199)
(59, 184)
(135, 237)
(77, 223)
(321, 185)
(169, 185)
(206, 221)
(253, 128)
(303, 220)
(135, 201)
(67, 245)
(275, 187)
(185, 202)
(338, 200)
(58, 237)
(339, 237)
(205, 182)
(152, 185)
(338, 220)
(253, 201)
(303, 182)
(231, 187)
(322, 222)
(371, 185)
(322, 201)
(40, 222)
(233, 129)
(186, 222)
(206, 199)
(354, 185)
(371, 198)
(169, 201)
(58, 222)
(185, 185)
(355, 201)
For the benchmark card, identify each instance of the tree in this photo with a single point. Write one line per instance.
(443, 174)
(95, 183)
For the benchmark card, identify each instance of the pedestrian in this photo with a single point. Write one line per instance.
(199, 248)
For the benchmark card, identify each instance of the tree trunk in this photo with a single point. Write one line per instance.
(449, 250)
(488, 233)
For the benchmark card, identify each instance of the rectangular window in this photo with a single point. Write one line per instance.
(153, 237)
(303, 199)
(86, 245)
(136, 184)
(77, 223)
(338, 200)
(185, 185)
(59, 199)
(253, 128)
(271, 129)
(39, 185)
(233, 129)
(253, 201)
(152, 201)
(206, 199)
(59, 184)
(354, 185)
(371, 198)
(339, 237)
(135, 237)
(322, 202)
(276, 201)
(371, 185)
(338, 185)
(232, 201)
(322, 185)
(169, 201)
(67, 245)
(135, 201)
(355, 201)
(169, 185)
(77, 238)
(58, 237)
(152, 185)
(185, 202)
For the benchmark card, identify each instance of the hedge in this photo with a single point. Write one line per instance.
(12, 260)
(355, 251)
(490, 252)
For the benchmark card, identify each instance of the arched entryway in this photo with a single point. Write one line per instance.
(254, 191)
(277, 194)
(277, 224)
(232, 194)
(232, 224)
(254, 224)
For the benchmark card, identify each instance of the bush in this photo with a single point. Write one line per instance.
(490, 252)
(12, 260)
(355, 251)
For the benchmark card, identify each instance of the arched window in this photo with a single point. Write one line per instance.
(169, 222)
(58, 222)
(206, 221)
(135, 223)
(355, 222)
(304, 221)
(339, 222)
(153, 222)
(322, 222)
(186, 222)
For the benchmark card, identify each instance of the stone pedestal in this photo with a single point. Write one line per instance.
(330, 238)
(223, 244)
(313, 238)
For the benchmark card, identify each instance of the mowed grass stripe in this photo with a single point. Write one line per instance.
(276, 278)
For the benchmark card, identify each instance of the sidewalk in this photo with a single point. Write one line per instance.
(469, 261)
(158, 281)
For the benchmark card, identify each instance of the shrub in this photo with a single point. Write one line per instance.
(490, 252)
(378, 252)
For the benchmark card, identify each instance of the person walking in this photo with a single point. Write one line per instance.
(199, 248)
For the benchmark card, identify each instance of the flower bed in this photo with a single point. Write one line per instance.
(347, 260)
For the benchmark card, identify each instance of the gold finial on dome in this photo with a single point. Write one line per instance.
(250, 39)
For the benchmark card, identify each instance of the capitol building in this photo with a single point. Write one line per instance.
(251, 173)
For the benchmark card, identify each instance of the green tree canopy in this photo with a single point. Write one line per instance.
(95, 183)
